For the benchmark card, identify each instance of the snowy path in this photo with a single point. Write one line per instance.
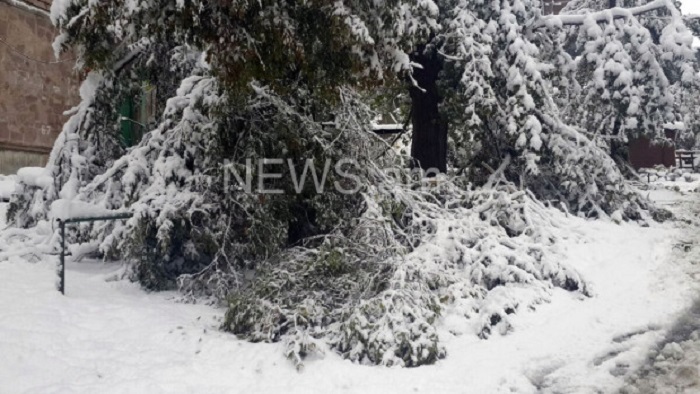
(674, 364)
(111, 337)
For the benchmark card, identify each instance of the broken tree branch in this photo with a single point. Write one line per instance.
(607, 15)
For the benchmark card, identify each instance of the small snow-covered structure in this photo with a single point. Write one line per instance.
(553, 6)
(384, 129)
(644, 153)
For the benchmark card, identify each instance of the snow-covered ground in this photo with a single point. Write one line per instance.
(108, 336)
(673, 363)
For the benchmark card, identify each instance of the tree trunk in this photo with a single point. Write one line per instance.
(429, 146)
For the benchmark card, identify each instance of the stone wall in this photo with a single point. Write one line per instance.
(33, 94)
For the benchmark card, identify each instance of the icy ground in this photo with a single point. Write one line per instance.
(108, 336)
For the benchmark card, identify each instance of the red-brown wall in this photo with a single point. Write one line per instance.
(33, 95)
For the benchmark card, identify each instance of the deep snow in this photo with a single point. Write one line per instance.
(108, 336)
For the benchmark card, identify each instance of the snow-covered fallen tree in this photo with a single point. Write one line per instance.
(372, 285)
(375, 292)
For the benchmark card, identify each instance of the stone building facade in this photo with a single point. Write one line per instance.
(35, 89)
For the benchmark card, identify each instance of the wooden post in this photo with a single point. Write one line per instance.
(692, 160)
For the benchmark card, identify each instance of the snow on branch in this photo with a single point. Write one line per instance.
(607, 15)
(65, 209)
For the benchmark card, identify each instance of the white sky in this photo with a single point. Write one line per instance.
(691, 6)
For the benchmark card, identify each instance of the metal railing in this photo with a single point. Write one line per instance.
(62, 259)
